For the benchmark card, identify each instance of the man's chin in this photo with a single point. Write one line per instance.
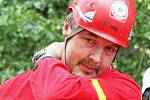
(78, 71)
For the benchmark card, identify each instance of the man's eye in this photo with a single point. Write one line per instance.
(111, 50)
(90, 42)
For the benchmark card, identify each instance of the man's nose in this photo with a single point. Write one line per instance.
(96, 55)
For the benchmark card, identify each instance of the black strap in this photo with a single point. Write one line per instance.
(146, 94)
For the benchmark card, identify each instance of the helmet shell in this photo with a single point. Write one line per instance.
(112, 20)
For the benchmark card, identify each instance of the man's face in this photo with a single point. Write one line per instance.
(88, 54)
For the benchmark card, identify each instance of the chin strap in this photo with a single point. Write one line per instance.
(110, 67)
(72, 33)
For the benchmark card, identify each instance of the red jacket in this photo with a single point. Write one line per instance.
(52, 81)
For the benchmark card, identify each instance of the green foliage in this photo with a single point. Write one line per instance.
(29, 25)
(25, 27)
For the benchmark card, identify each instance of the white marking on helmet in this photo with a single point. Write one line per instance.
(119, 10)
(88, 16)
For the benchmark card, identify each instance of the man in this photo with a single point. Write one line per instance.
(146, 85)
(94, 31)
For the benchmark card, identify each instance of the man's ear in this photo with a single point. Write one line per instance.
(66, 29)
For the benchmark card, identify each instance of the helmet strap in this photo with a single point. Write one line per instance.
(72, 33)
(110, 67)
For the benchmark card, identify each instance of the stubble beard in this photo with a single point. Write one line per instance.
(76, 70)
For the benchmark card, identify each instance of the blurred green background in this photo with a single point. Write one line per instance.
(26, 26)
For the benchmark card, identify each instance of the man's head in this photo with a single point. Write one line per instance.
(94, 31)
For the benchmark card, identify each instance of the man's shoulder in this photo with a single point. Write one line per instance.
(114, 74)
(120, 85)
(119, 80)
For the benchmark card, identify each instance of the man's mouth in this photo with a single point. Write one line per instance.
(90, 68)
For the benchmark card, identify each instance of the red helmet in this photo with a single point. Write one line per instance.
(109, 19)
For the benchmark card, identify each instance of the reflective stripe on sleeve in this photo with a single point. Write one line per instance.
(98, 89)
